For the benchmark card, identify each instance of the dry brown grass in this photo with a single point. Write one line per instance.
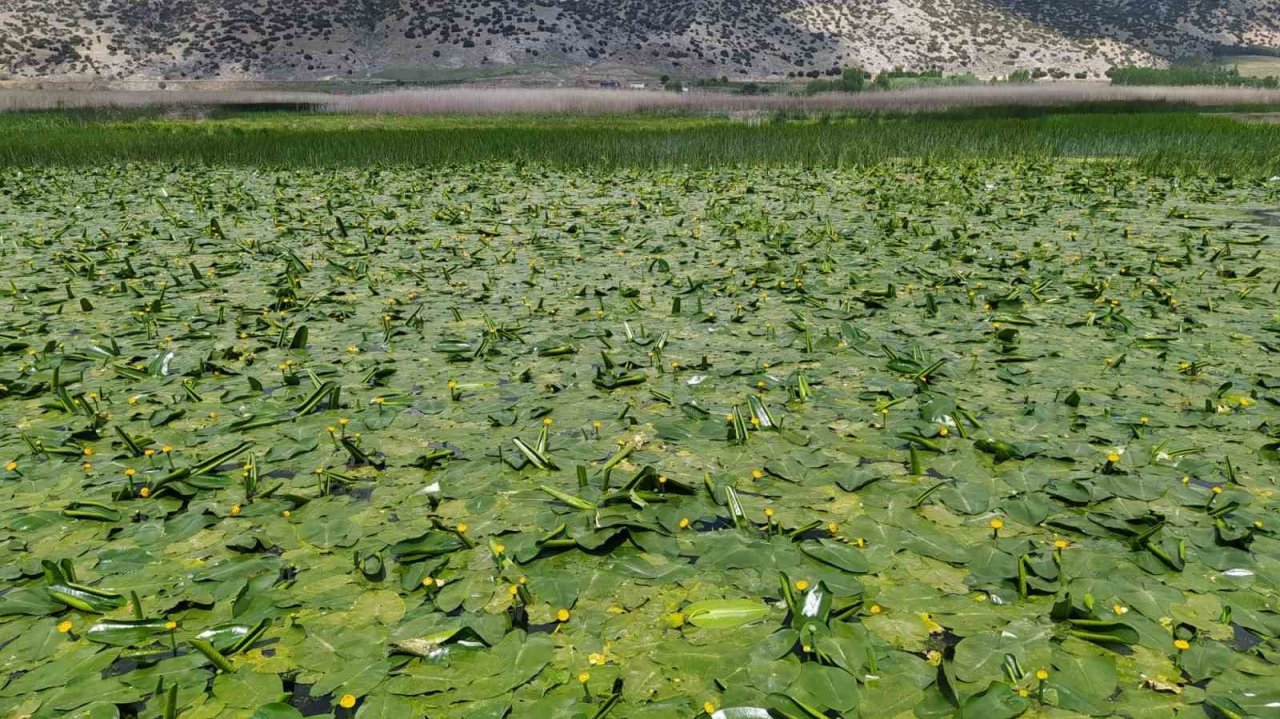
(474, 101)
(485, 101)
(59, 99)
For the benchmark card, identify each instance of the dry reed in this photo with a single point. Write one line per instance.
(499, 101)
(60, 99)
(476, 101)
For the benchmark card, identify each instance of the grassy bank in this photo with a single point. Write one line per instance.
(1165, 142)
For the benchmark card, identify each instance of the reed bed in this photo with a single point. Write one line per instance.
(1166, 142)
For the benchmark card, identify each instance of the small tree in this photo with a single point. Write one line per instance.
(852, 79)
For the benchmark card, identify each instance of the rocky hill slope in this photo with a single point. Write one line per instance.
(311, 39)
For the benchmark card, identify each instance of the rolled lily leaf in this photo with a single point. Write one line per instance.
(741, 713)
(231, 639)
(569, 499)
(453, 347)
(127, 633)
(213, 655)
(724, 613)
(761, 413)
(312, 403)
(1102, 631)
(1002, 450)
(536, 458)
(206, 466)
(86, 599)
(92, 510)
(614, 381)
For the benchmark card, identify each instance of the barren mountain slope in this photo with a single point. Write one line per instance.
(304, 39)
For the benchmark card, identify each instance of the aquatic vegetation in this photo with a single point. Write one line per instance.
(993, 437)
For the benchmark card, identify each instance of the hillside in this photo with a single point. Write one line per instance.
(311, 39)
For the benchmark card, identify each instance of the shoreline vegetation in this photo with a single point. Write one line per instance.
(1161, 139)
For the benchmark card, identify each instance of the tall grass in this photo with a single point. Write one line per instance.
(1164, 142)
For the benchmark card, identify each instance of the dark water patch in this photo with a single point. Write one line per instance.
(300, 698)
(1244, 640)
(119, 667)
(360, 494)
(714, 525)
(1271, 218)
